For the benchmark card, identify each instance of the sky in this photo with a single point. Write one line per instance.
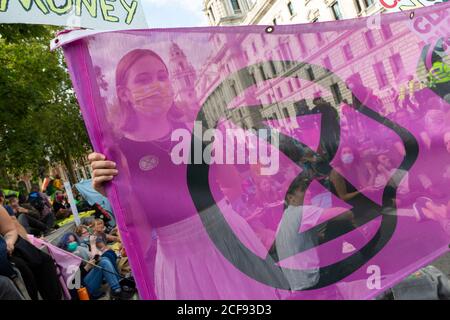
(174, 13)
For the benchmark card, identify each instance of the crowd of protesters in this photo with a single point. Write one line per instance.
(104, 259)
(96, 242)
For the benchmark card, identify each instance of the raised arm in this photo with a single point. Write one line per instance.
(8, 230)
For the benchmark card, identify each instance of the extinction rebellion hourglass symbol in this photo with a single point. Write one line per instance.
(260, 268)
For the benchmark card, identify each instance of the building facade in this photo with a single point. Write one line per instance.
(268, 12)
(382, 51)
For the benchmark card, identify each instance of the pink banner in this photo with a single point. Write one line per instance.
(67, 263)
(286, 162)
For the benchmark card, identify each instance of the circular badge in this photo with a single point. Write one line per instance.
(148, 163)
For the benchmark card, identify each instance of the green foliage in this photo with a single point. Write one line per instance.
(40, 121)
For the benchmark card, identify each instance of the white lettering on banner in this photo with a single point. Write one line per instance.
(374, 22)
(374, 280)
(95, 14)
(241, 147)
(74, 279)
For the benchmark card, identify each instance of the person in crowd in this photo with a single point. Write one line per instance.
(4, 205)
(28, 217)
(329, 126)
(447, 141)
(41, 203)
(385, 176)
(37, 268)
(8, 230)
(100, 231)
(57, 183)
(8, 290)
(60, 207)
(70, 242)
(433, 146)
(83, 234)
(394, 96)
(435, 127)
(98, 266)
(349, 164)
(50, 189)
(20, 229)
(289, 242)
(407, 94)
(45, 183)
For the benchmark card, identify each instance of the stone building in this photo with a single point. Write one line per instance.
(382, 51)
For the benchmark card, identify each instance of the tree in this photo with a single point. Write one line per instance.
(40, 121)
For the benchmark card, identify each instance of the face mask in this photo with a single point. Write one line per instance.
(153, 97)
(347, 158)
(72, 246)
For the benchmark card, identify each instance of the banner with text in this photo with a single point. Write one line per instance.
(89, 14)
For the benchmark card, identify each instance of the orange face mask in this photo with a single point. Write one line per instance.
(157, 95)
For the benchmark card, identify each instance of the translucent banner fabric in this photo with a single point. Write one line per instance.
(286, 162)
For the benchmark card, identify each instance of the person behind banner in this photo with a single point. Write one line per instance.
(349, 163)
(60, 207)
(146, 97)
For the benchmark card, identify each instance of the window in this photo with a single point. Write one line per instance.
(301, 43)
(348, 54)
(246, 55)
(310, 73)
(370, 40)
(336, 11)
(263, 39)
(368, 3)
(211, 14)
(298, 83)
(336, 93)
(235, 5)
(286, 52)
(275, 116)
(397, 64)
(386, 31)
(279, 92)
(272, 68)
(381, 75)
(253, 77)
(286, 113)
(290, 86)
(233, 90)
(358, 6)
(255, 50)
(263, 75)
(327, 63)
(319, 38)
(291, 8)
(269, 99)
